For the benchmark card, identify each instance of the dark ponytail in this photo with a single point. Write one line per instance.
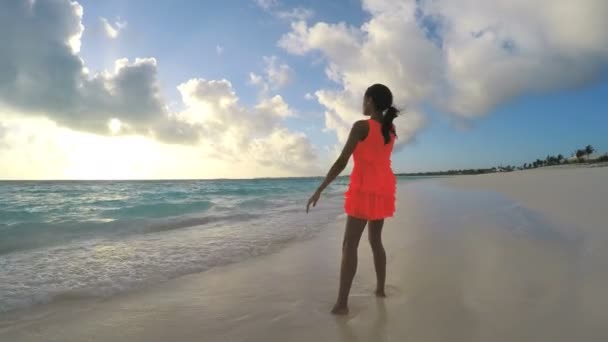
(387, 123)
(383, 101)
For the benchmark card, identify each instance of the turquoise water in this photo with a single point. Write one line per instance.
(99, 238)
(35, 214)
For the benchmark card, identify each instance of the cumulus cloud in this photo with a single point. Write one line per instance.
(112, 30)
(359, 57)
(42, 75)
(276, 75)
(495, 52)
(462, 56)
(237, 132)
(275, 105)
(294, 151)
(343, 108)
(42, 72)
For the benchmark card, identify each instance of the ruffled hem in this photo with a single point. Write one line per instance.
(369, 206)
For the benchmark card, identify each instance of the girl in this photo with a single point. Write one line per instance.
(371, 193)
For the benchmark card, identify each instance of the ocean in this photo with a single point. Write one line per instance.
(64, 239)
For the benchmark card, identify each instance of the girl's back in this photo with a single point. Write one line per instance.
(371, 192)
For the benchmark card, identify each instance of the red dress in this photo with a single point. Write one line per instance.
(371, 191)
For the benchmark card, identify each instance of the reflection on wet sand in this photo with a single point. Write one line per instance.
(475, 266)
(377, 331)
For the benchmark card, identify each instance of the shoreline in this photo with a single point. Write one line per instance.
(485, 258)
(557, 192)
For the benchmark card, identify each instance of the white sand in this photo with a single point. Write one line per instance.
(463, 265)
(574, 196)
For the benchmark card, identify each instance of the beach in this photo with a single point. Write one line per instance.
(500, 257)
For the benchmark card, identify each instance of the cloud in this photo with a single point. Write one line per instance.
(37, 148)
(3, 134)
(273, 7)
(112, 31)
(356, 59)
(335, 40)
(42, 75)
(257, 80)
(495, 53)
(464, 57)
(275, 105)
(343, 108)
(286, 149)
(276, 75)
(238, 133)
(298, 13)
(267, 4)
(234, 133)
(26, 149)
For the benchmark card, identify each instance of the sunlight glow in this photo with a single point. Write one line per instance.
(115, 125)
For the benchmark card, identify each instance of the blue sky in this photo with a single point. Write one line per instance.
(526, 119)
(183, 38)
(517, 132)
(527, 127)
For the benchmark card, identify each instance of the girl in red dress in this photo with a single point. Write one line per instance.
(371, 192)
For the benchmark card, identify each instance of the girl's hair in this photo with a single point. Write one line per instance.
(383, 101)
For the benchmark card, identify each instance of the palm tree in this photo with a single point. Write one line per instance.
(580, 154)
(552, 160)
(589, 150)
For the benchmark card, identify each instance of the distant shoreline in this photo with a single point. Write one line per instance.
(470, 172)
(400, 174)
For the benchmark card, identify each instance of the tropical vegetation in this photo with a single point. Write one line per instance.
(582, 155)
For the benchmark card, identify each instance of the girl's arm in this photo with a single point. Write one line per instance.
(357, 133)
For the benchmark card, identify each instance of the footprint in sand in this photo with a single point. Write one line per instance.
(324, 309)
(392, 291)
(389, 290)
(354, 308)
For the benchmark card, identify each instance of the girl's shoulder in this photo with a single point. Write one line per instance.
(361, 128)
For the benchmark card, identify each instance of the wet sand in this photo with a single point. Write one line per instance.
(502, 257)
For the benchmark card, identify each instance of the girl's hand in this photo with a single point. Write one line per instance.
(313, 200)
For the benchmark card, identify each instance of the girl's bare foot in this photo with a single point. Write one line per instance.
(340, 310)
(380, 293)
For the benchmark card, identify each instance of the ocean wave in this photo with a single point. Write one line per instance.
(103, 267)
(35, 235)
(255, 203)
(159, 209)
(63, 240)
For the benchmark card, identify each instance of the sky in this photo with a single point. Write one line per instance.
(139, 89)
